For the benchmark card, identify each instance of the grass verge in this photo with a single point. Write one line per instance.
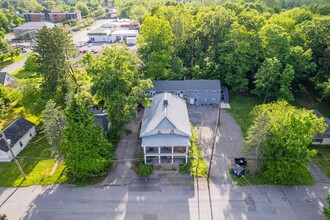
(196, 165)
(37, 163)
(304, 179)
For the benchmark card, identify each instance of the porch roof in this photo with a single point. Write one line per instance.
(165, 140)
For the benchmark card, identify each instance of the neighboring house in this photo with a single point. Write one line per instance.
(31, 28)
(322, 139)
(199, 92)
(20, 132)
(53, 16)
(6, 78)
(165, 130)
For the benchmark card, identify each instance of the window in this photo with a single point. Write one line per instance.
(30, 135)
(196, 92)
(20, 144)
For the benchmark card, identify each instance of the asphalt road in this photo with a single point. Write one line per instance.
(163, 203)
(14, 66)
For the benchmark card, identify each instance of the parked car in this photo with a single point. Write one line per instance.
(90, 44)
(24, 50)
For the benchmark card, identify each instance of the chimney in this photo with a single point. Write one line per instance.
(165, 102)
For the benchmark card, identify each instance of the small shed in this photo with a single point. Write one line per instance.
(19, 133)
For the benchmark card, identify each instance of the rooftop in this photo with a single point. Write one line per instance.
(35, 25)
(99, 31)
(177, 85)
(167, 114)
(3, 77)
(15, 131)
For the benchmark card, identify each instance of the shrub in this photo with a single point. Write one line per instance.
(144, 170)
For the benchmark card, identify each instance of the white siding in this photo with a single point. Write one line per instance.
(17, 148)
(98, 38)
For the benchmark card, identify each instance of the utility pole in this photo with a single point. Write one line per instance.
(214, 136)
(13, 155)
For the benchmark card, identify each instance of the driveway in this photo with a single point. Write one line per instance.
(228, 146)
(129, 144)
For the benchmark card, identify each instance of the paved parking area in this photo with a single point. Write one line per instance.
(229, 142)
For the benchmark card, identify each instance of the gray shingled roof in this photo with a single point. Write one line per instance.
(15, 131)
(3, 77)
(166, 119)
(326, 134)
(102, 121)
(35, 25)
(183, 85)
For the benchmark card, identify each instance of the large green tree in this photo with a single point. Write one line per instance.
(53, 52)
(86, 152)
(285, 136)
(156, 49)
(116, 80)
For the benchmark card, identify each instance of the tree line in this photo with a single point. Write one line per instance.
(247, 45)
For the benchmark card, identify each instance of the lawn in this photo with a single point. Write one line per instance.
(14, 112)
(24, 74)
(37, 163)
(322, 159)
(8, 61)
(241, 105)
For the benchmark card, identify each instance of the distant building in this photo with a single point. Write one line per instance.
(6, 78)
(103, 34)
(165, 130)
(198, 92)
(52, 16)
(31, 28)
(322, 139)
(19, 133)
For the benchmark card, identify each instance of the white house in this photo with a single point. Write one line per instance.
(165, 130)
(19, 133)
(6, 78)
(322, 139)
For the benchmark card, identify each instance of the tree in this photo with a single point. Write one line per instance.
(286, 135)
(86, 152)
(118, 82)
(83, 8)
(155, 49)
(53, 125)
(266, 79)
(31, 63)
(53, 51)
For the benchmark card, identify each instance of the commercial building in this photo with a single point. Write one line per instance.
(104, 34)
(53, 16)
(31, 28)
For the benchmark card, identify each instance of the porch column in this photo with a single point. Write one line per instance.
(159, 155)
(186, 155)
(145, 159)
(172, 154)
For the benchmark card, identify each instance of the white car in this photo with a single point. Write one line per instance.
(89, 45)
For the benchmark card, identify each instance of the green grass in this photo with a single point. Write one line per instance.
(309, 101)
(24, 74)
(37, 163)
(304, 179)
(322, 158)
(8, 61)
(14, 112)
(241, 106)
